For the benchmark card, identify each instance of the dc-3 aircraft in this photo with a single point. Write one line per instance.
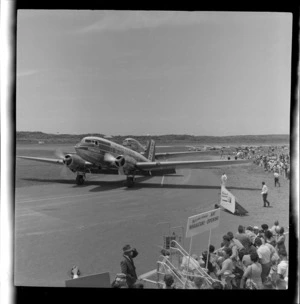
(101, 156)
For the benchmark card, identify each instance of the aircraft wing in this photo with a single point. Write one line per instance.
(49, 160)
(44, 160)
(175, 154)
(196, 164)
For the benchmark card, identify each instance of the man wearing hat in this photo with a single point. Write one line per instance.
(127, 265)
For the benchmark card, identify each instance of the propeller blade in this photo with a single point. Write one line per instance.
(59, 154)
(109, 158)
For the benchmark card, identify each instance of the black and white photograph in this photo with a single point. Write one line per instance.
(153, 149)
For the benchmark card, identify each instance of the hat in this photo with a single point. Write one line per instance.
(256, 228)
(127, 248)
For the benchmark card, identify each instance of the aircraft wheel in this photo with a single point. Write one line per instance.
(79, 180)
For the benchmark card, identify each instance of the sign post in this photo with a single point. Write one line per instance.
(199, 223)
(208, 249)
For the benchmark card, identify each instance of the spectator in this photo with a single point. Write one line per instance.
(210, 267)
(253, 272)
(227, 266)
(217, 285)
(235, 241)
(190, 263)
(264, 194)
(127, 265)
(264, 227)
(199, 283)
(250, 248)
(261, 236)
(223, 179)
(242, 236)
(264, 254)
(274, 255)
(244, 259)
(255, 231)
(169, 281)
(280, 239)
(229, 244)
(138, 285)
(269, 238)
(75, 272)
(276, 178)
(273, 229)
(282, 270)
(119, 281)
(250, 233)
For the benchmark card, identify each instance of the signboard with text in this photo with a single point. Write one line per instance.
(227, 200)
(202, 222)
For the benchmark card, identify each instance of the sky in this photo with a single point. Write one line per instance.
(153, 72)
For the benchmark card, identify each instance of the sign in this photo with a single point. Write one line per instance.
(205, 221)
(227, 200)
(95, 280)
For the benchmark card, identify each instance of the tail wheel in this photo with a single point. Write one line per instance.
(79, 180)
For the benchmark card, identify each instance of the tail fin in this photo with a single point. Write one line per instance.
(150, 151)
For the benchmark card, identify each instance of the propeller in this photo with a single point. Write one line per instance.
(59, 154)
(109, 158)
(64, 172)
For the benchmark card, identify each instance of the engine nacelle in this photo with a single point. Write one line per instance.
(126, 163)
(74, 162)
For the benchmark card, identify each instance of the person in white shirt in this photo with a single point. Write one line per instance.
(282, 271)
(223, 179)
(276, 178)
(264, 254)
(264, 194)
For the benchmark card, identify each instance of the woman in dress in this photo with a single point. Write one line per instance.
(253, 272)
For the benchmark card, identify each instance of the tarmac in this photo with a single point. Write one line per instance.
(60, 224)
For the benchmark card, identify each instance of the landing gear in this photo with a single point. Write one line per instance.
(130, 181)
(80, 178)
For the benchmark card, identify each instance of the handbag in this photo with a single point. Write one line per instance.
(250, 284)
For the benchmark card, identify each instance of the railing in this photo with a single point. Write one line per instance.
(199, 272)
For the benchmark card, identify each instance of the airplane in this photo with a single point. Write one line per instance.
(101, 156)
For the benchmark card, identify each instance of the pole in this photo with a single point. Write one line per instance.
(188, 264)
(208, 249)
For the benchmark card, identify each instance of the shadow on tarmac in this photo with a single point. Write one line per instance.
(110, 185)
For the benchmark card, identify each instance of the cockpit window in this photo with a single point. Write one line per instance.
(88, 141)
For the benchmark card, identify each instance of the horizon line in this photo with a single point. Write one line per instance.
(149, 135)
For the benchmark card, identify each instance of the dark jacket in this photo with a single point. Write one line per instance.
(128, 268)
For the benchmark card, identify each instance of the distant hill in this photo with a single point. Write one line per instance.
(35, 137)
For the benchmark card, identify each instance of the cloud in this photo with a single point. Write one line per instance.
(124, 20)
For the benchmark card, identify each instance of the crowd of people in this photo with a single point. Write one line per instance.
(274, 162)
(252, 258)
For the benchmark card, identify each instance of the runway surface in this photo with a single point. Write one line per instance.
(58, 225)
